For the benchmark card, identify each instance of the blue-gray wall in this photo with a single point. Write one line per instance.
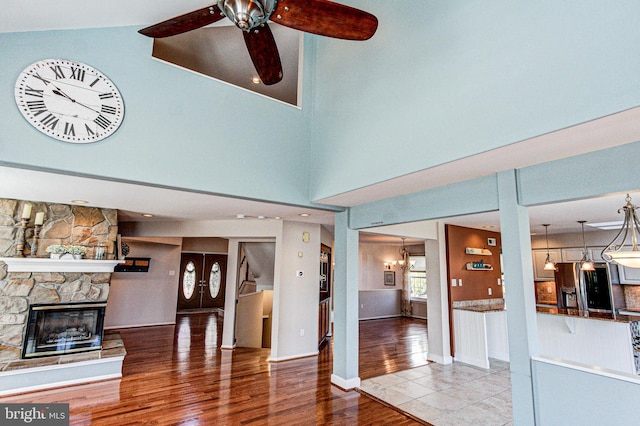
(180, 129)
(442, 80)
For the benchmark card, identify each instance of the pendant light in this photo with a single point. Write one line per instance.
(586, 264)
(549, 265)
(623, 253)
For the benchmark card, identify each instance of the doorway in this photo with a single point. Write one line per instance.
(202, 281)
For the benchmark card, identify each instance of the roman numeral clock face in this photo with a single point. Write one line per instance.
(69, 101)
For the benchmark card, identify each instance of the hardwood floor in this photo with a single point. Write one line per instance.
(177, 375)
(391, 345)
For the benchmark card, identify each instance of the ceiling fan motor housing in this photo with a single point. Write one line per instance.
(247, 14)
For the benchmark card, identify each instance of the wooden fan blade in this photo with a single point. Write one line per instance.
(264, 54)
(325, 18)
(183, 23)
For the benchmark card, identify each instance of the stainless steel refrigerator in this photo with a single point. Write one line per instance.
(584, 290)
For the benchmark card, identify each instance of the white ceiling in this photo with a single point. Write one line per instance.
(32, 15)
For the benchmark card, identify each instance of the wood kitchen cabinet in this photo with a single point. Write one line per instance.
(539, 257)
(572, 254)
(629, 275)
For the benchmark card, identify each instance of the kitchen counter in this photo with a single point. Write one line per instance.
(604, 316)
(480, 333)
(596, 339)
(481, 308)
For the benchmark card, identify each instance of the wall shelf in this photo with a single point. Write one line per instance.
(480, 251)
(29, 264)
(485, 267)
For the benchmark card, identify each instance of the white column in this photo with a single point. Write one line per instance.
(438, 300)
(229, 325)
(520, 296)
(345, 293)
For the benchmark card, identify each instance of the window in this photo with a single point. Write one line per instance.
(189, 280)
(418, 276)
(214, 280)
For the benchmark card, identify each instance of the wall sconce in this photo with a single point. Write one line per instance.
(390, 265)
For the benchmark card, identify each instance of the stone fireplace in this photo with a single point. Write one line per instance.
(36, 281)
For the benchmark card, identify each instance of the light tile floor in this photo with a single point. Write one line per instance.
(455, 394)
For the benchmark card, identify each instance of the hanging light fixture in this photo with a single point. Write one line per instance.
(623, 253)
(586, 264)
(404, 261)
(549, 265)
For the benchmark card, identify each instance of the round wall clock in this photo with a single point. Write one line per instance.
(69, 101)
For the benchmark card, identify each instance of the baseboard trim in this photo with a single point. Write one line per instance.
(345, 384)
(116, 327)
(381, 317)
(289, 358)
(439, 359)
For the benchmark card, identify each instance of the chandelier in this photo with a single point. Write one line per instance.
(404, 262)
(620, 250)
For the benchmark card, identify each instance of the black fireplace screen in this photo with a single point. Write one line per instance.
(55, 329)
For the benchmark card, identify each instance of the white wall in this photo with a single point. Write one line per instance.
(146, 298)
(371, 266)
(295, 304)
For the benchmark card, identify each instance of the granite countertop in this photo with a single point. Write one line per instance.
(605, 316)
(480, 308)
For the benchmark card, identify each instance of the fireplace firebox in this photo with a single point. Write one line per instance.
(57, 329)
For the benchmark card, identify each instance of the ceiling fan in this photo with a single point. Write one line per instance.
(320, 17)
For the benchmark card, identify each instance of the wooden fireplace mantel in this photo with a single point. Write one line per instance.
(29, 264)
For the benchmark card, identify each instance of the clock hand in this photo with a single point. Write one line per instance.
(59, 92)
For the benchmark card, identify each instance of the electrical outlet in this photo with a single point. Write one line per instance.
(490, 291)
(460, 282)
(302, 332)
(299, 273)
(453, 282)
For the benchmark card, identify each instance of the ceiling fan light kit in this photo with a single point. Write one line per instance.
(247, 14)
(321, 17)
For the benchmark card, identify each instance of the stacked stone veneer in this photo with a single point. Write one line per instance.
(63, 224)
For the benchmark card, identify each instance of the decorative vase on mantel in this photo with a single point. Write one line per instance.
(55, 255)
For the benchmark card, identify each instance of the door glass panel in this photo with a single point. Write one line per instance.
(189, 280)
(214, 280)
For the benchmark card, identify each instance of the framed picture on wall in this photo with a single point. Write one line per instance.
(389, 278)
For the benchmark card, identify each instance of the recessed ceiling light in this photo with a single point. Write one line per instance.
(261, 217)
(147, 215)
(488, 226)
(277, 218)
(240, 216)
(606, 225)
(304, 214)
(79, 202)
(255, 80)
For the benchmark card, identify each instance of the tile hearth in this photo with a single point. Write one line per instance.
(25, 375)
(455, 394)
(112, 346)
